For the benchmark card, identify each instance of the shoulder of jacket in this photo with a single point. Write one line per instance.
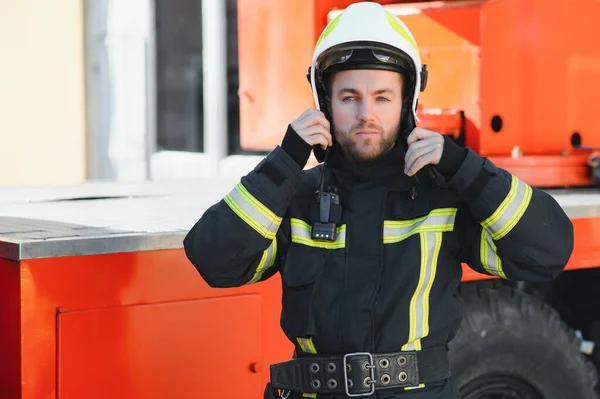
(309, 182)
(439, 196)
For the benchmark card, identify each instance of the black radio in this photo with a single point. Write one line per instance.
(326, 210)
(328, 204)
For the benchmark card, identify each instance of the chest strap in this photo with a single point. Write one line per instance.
(361, 373)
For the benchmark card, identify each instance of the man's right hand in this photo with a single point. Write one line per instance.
(313, 127)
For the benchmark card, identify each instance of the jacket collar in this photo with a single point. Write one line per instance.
(385, 171)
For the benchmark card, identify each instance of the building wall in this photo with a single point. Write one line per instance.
(42, 98)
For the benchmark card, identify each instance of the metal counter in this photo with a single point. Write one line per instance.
(103, 218)
(108, 218)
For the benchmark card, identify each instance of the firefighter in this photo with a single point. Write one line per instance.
(369, 244)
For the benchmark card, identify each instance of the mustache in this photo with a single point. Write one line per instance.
(369, 126)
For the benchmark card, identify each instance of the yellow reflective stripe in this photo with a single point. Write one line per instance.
(502, 207)
(301, 234)
(433, 250)
(417, 387)
(309, 395)
(400, 29)
(253, 212)
(438, 220)
(516, 215)
(431, 244)
(490, 260)
(248, 219)
(414, 322)
(267, 261)
(306, 344)
(510, 211)
(258, 205)
(329, 29)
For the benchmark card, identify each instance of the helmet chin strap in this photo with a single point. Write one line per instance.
(407, 120)
(426, 176)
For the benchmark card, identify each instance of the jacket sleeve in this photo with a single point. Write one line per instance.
(507, 228)
(241, 239)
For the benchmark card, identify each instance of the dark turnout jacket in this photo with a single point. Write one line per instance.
(388, 282)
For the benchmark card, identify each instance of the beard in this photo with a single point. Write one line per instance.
(366, 149)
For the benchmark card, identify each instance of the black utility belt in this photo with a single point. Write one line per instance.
(361, 373)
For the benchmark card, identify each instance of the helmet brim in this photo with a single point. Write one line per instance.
(363, 55)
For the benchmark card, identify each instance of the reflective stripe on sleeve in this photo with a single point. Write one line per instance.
(510, 211)
(490, 260)
(267, 261)
(253, 212)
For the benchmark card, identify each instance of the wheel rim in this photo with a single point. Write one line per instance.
(499, 386)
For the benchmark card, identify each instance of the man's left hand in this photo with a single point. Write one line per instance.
(424, 148)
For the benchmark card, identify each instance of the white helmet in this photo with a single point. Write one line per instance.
(367, 36)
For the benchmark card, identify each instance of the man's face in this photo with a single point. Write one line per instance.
(366, 106)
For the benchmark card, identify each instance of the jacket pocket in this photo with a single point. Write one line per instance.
(302, 265)
(407, 209)
(301, 271)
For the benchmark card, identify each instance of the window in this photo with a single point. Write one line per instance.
(233, 101)
(179, 75)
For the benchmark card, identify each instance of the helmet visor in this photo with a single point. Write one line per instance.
(365, 55)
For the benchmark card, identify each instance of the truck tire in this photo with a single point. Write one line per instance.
(512, 345)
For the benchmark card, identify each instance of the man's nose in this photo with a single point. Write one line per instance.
(365, 111)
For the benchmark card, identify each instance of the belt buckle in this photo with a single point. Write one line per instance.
(370, 367)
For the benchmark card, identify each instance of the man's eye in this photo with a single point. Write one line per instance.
(384, 99)
(348, 98)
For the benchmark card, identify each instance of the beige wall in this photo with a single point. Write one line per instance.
(42, 108)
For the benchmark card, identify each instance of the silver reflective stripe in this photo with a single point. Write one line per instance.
(301, 234)
(253, 212)
(488, 256)
(431, 243)
(267, 261)
(510, 211)
(438, 220)
(307, 345)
